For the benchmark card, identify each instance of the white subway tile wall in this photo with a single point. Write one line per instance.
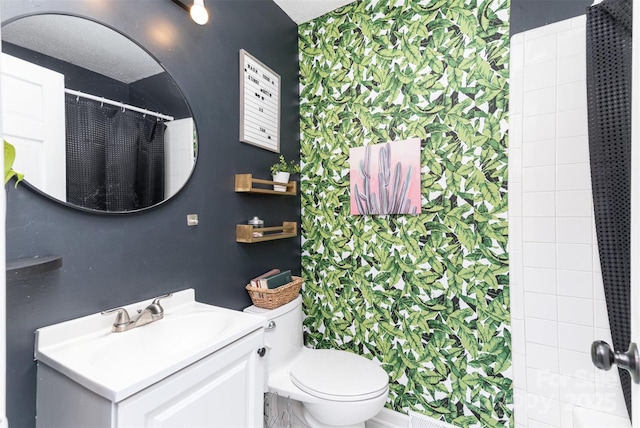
(539, 153)
(536, 204)
(539, 179)
(541, 331)
(575, 230)
(540, 280)
(574, 203)
(575, 283)
(572, 150)
(539, 76)
(557, 297)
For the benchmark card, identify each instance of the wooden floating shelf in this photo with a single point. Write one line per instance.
(244, 232)
(245, 183)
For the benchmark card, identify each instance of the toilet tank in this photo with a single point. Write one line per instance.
(283, 338)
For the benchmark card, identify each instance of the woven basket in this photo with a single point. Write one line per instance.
(276, 297)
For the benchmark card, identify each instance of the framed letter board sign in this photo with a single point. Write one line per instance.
(259, 104)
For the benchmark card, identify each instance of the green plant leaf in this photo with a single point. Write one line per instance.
(9, 158)
(426, 295)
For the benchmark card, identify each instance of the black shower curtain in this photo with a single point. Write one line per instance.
(115, 158)
(609, 114)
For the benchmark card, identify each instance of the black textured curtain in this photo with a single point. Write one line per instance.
(609, 115)
(85, 127)
(151, 167)
(115, 157)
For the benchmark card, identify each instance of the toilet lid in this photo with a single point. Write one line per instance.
(338, 375)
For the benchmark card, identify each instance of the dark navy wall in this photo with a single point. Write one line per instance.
(528, 14)
(110, 260)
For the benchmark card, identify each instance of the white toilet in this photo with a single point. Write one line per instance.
(336, 388)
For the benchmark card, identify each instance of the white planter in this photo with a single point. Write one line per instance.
(280, 177)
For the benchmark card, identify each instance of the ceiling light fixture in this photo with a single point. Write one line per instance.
(198, 12)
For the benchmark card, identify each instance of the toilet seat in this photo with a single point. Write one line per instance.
(338, 375)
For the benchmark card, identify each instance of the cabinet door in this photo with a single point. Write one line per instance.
(222, 390)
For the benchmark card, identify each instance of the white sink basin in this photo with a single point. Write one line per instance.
(117, 365)
(157, 342)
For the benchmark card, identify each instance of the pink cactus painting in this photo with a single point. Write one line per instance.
(385, 178)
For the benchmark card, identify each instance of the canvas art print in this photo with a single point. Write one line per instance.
(385, 178)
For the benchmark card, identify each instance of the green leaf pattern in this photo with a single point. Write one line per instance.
(427, 296)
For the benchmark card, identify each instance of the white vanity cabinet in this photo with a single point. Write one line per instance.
(223, 390)
(199, 366)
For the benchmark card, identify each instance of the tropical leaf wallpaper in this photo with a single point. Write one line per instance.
(425, 295)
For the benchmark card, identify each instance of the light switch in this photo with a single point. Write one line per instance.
(192, 219)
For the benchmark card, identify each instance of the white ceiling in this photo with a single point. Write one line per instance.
(301, 11)
(83, 43)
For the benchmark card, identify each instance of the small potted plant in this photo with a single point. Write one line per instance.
(281, 172)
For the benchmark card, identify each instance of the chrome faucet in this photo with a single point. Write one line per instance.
(151, 313)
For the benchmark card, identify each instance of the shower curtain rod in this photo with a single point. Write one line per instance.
(117, 104)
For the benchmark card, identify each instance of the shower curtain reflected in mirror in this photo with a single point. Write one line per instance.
(115, 158)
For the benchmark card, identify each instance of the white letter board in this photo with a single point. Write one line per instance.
(259, 104)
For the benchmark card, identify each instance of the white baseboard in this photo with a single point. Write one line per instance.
(388, 418)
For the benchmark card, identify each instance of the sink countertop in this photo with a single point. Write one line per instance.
(118, 365)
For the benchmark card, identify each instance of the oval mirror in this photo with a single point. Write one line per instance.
(96, 121)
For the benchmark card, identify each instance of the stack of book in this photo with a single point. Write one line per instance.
(272, 279)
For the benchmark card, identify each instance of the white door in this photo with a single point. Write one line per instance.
(34, 122)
